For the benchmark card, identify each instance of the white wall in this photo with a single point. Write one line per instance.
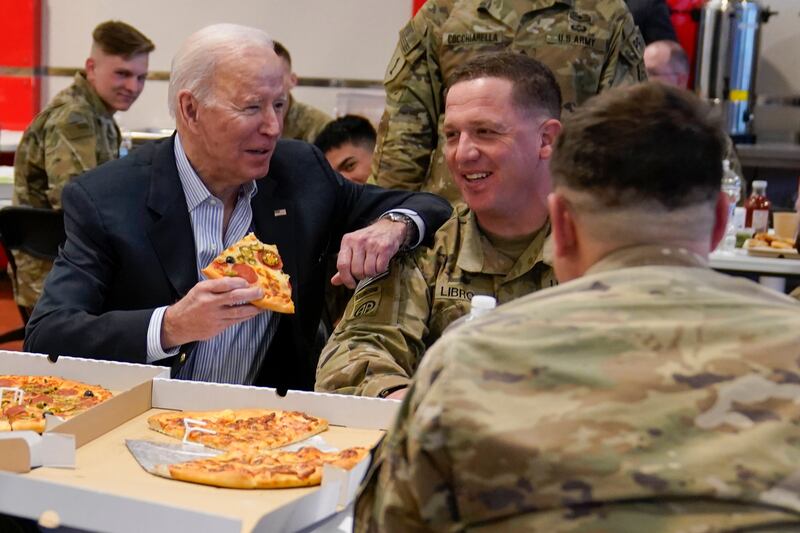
(339, 39)
(351, 39)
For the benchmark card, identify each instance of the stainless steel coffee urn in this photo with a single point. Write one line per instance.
(727, 54)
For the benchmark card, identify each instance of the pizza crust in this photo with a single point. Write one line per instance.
(263, 470)
(242, 429)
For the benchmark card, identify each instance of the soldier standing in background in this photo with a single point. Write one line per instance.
(302, 121)
(645, 393)
(77, 132)
(590, 45)
(501, 120)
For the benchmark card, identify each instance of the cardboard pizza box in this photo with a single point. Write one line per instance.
(130, 383)
(109, 491)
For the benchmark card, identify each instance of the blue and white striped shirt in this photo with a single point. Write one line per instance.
(236, 354)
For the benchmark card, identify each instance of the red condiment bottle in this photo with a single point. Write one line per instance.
(757, 208)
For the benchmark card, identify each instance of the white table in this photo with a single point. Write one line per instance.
(771, 271)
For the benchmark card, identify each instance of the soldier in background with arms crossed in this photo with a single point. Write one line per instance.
(76, 132)
(501, 120)
(645, 393)
(590, 45)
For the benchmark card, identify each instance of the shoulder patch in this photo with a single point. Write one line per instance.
(367, 306)
(409, 38)
(75, 126)
(633, 49)
(409, 41)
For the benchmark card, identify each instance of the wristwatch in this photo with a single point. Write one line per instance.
(412, 232)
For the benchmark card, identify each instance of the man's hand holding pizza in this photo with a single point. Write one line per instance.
(207, 309)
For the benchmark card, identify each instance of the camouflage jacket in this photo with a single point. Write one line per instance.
(303, 122)
(73, 134)
(590, 45)
(392, 319)
(651, 395)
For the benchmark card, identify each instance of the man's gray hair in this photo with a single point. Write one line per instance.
(195, 62)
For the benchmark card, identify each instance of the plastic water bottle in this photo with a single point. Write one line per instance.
(732, 188)
(479, 305)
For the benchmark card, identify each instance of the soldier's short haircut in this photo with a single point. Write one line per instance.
(533, 84)
(282, 52)
(645, 143)
(347, 129)
(117, 38)
(197, 58)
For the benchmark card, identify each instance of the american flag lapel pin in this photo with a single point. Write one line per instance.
(280, 212)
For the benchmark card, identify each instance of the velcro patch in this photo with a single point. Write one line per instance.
(582, 17)
(76, 127)
(576, 39)
(367, 306)
(409, 38)
(453, 292)
(633, 50)
(475, 37)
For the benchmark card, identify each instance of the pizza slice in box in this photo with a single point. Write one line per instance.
(260, 264)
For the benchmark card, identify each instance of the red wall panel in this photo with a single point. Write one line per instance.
(20, 48)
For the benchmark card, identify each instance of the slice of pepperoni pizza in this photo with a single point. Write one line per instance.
(260, 264)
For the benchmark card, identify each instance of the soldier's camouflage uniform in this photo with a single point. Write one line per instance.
(303, 122)
(392, 319)
(652, 395)
(74, 133)
(590, 45)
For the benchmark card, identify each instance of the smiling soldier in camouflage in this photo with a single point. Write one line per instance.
(590, 45)
(646, 393)
(501, 122)
(77, 132)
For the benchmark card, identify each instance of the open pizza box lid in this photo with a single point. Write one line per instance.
(123, 497)
(130, 383)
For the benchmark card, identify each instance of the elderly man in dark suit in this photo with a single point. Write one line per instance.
(127, 285)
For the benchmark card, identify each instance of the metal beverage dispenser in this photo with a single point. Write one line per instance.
(727, 54)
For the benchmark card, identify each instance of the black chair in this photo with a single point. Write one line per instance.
(37, 232)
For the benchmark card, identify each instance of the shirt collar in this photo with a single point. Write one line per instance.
(471, 254)
(648, 255)
(193, 187)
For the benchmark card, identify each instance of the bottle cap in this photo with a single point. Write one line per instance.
(480, 301)
(726, 165)
(759, 183)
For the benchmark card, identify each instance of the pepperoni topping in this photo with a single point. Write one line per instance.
(66, 392)
(6, 383)
(246, 272)
(270, 259)
(15, 410)
(41, 398)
